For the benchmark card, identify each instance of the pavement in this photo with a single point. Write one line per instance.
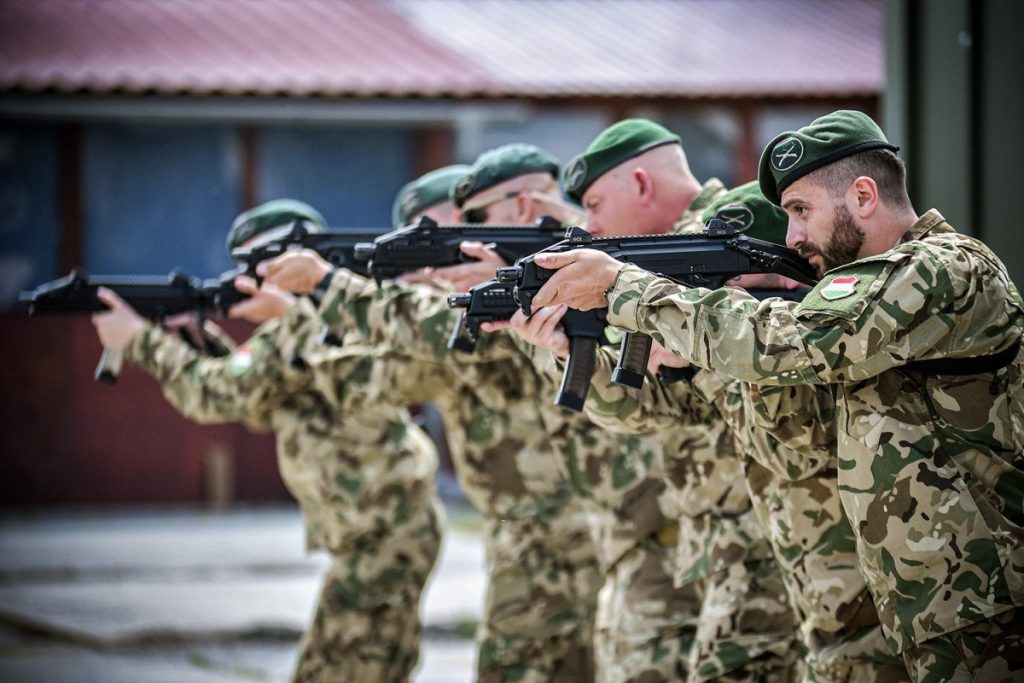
(146, 595)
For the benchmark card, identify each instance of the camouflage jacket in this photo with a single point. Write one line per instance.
(930, 465)
(349, 469)
(501, 436)
(620, 475)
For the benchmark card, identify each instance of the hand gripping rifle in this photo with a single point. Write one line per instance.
(335, 245)
(428, 244)
(153, 296)
(705, 259)
(493, 300)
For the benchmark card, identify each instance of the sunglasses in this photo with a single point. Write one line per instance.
(478, 214)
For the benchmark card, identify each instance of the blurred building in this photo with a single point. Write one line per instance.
(132, 132)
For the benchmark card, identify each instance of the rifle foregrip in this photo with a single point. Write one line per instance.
(109, 367)
(578, 371)
(633, 355)
(461, 339)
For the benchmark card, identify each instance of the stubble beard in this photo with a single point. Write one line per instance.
(843, 245)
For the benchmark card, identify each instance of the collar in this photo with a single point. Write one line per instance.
(929, 222)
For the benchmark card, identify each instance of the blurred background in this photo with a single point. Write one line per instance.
(133, 131)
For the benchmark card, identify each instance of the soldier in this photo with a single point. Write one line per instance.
(915, 331)
(541, 594)
(791, 475)
(634, 179)
(363, 475)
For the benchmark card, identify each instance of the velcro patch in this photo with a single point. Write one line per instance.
(845, 293)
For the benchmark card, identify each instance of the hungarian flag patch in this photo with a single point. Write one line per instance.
(840, 287)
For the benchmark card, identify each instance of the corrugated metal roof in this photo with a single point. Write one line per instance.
(430, 48)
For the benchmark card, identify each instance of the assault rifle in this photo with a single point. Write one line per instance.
(493, 301)
(335, 245)
(705, 259)
(153, 296)
(428, 244)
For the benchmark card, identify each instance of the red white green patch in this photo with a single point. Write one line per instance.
(840, 287)
(241, 360)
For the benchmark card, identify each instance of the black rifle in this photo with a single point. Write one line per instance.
(153, 296)
(486, 302)
(492, 301)
(705, 259)
(428, 244)
(335, 245)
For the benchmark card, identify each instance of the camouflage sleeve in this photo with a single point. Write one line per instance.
(792, 428)
(413, 320)
(873, 315)
(350, 375)
(247, 385)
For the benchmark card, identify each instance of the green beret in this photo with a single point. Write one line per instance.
(744, 207)
(269, 215)
(792, 155)
(424, 192)
(499, 165)
(618, 143)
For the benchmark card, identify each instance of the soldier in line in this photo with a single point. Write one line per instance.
(634, 179)
(543, 580)
(790, 470)
(915, 331)
(644, 625)
(363, 473)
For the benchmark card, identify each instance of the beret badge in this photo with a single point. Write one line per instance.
(787, 154)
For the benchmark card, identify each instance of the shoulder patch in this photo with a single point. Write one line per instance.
(839, 287)
(241, 360)
(846, 292)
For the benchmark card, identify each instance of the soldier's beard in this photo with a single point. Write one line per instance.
(843, 244)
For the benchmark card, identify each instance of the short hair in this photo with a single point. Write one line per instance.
(883, 166)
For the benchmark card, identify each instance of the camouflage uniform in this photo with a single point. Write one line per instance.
(363, 477)
(930, 464)
(538, 621)
(645, 623)
(746, 626)
(684, 608)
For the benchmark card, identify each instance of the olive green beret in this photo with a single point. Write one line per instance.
(792, 155)
(499, 165)
(272, 214)
(618, 143)
(745, 208)
(424, 192)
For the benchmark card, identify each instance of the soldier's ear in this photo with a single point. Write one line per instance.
(863, 195)
(644, 185)
(526, 208)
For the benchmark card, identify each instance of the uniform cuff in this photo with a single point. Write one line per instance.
(140, 351)
(624, 296)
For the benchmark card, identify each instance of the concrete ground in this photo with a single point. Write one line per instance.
(172, 595)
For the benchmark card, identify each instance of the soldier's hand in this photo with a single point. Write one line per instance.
(298, 271)
(543, 329)
(118, 326)
(582, 278)
(420, 276)
(185, 324)
(464, 276)
(660, 356)
(264, 302)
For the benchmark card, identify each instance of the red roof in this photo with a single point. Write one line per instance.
(431, 48)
